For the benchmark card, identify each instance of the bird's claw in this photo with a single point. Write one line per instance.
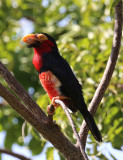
(60, 98)
(51, 109)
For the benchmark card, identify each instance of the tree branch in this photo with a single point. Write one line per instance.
(20, 91)
(108, 71)
(51, 133)
(73, 127)
(14, 154)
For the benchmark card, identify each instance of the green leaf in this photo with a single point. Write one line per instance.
(36, 134)
(36, 146)
(49, 153)
(0, 157)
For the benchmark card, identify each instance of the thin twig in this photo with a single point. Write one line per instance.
(23, 130)
(108, 71)
(73, 127)
(14, 154)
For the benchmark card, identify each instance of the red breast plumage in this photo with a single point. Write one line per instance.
(50, 83)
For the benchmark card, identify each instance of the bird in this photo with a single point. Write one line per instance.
(57, 77)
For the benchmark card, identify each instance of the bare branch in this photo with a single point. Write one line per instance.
(20, 91)
(73, 127)
(14, 154)
(51, 133)
(108, 71)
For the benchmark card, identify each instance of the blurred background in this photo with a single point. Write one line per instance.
(83, 31)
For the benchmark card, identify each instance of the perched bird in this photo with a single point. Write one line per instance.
(57, 78)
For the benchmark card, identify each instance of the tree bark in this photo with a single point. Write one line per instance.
(20, 91)
(51, 133)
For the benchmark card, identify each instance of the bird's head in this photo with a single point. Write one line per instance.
(38, 40)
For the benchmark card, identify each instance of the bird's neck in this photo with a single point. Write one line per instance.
(44, 48)
(39, 52)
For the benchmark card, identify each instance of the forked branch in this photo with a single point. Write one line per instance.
(52, 133)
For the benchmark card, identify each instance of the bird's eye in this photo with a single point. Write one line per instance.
(42, 37)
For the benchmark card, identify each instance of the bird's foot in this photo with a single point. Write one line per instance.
(51, 109)
(60, 98)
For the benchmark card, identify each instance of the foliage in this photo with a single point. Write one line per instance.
(84, 31)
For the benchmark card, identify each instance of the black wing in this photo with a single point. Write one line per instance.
(70, 85)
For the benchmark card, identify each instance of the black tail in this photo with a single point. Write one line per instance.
(92, 125)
